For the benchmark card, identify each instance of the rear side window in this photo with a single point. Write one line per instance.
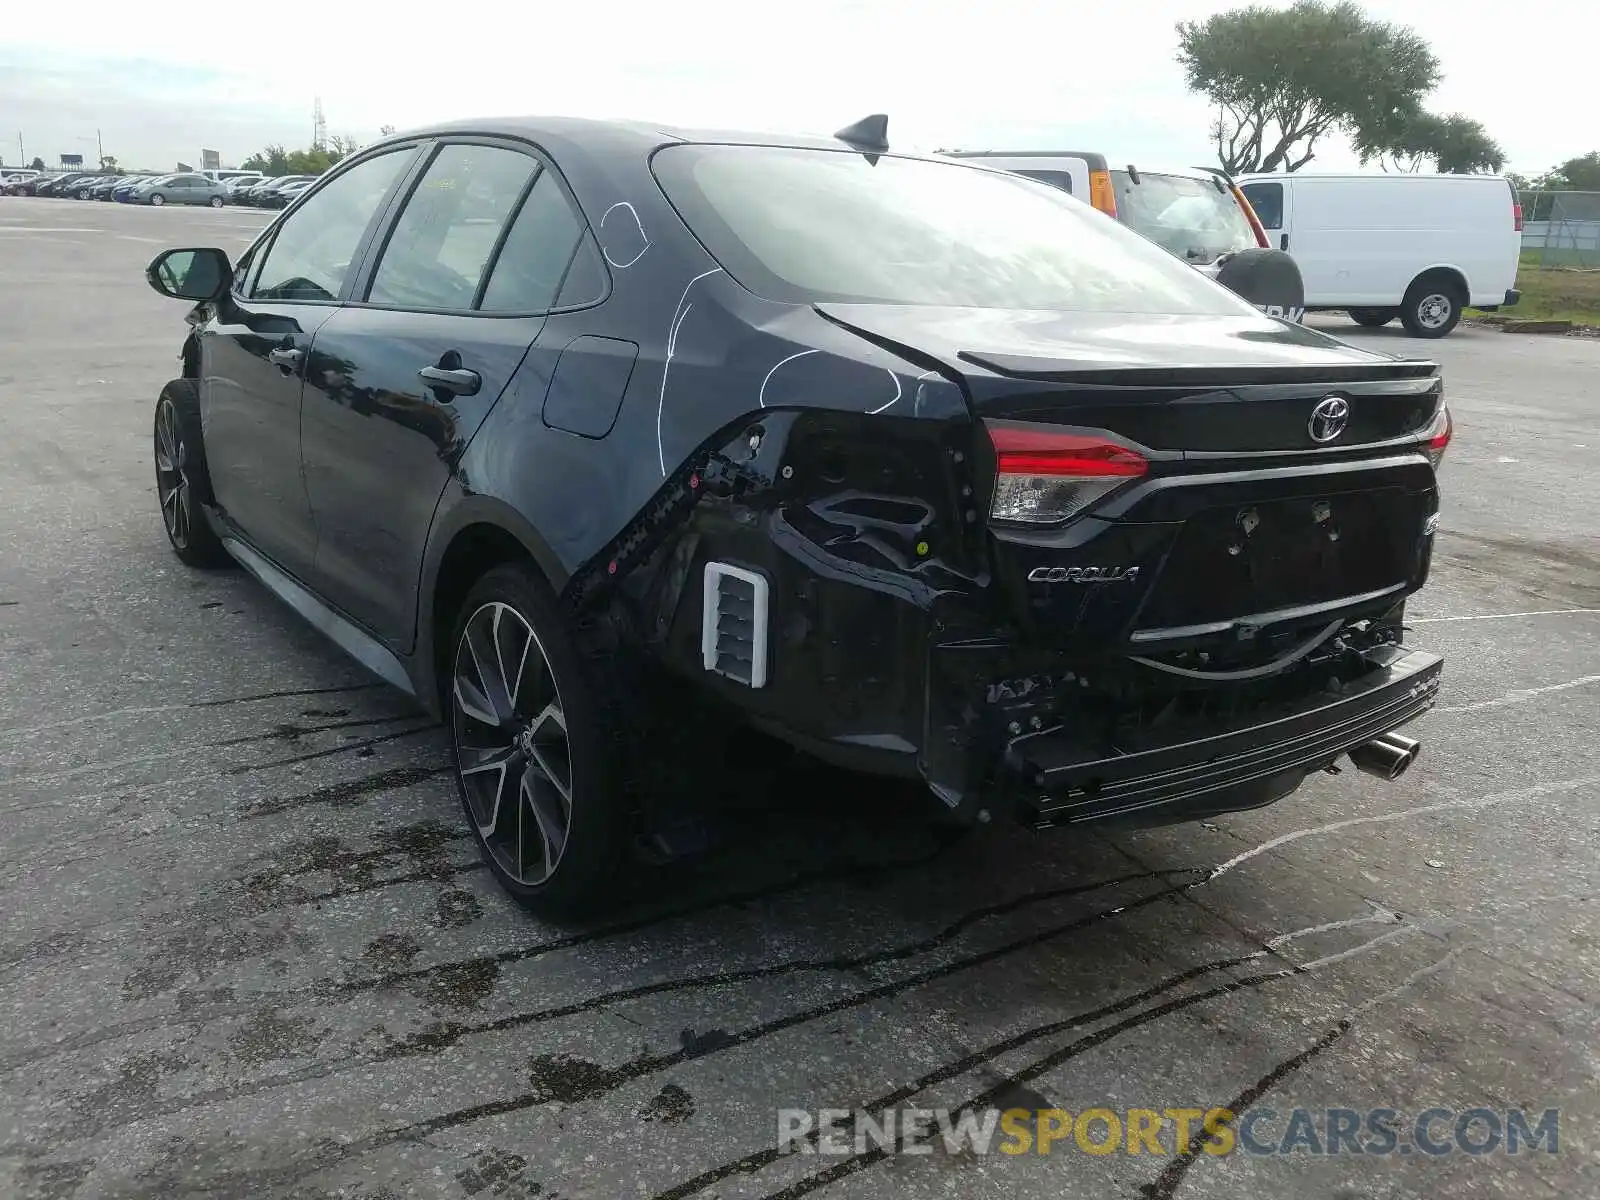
(313, 250)
(445, 237)
(1189, 217)
(539, 255)
(1267, 200)
(807, 225)
(1058, 179)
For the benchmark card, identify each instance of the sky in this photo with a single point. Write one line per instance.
(1000, 74)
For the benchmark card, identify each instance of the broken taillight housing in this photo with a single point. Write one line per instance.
(1045, 475)
(1436, 437)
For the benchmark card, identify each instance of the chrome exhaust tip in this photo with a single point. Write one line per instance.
(1387, 757)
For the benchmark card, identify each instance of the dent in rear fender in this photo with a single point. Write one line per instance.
(858, 522)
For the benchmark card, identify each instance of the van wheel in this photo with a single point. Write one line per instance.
(1373, 318)
(1432, 307)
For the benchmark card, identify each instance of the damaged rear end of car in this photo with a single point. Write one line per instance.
(1119, 548)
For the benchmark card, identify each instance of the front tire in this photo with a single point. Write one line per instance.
(1432, 307)
(536, 733)
(216, 202)
(158, 200)
(182, 484)
(1373, 318)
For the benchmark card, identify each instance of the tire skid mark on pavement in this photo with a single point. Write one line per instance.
(604, 1080)
(1166, 1185)
(761, 1159)
(149, 709)
(323, 989)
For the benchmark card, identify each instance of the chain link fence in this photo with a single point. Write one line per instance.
(1561, 229)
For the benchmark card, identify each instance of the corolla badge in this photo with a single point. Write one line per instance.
(1328, 419)
(1083, 574)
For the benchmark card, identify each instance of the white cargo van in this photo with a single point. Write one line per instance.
(1417, 247)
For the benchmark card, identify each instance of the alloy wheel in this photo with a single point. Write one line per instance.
(511, 741)
(172, 479)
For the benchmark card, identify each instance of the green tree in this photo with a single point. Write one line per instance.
(1454, 145)
(274, 160)
(1282, 78)
(37, 164)
(1580, 174)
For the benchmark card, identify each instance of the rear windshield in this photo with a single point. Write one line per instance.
(1189, 217)
(803, 225)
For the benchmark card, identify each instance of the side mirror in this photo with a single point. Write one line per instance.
(201, 274)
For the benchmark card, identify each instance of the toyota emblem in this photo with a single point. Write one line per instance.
(1328, 419)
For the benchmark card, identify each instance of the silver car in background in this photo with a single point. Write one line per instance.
(187, 188)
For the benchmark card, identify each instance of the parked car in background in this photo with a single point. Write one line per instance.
(30, 186)
(13, 179)
(83, 187)
(1417, 247)
(59, 185)
(922, 467)
(1196, 213)
(282, 197)
(229, 174)
(103, 187)
(258, 195)
(233, 189)
(122, 193)
(179, 189)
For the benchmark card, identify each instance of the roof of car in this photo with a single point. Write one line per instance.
(645, 134)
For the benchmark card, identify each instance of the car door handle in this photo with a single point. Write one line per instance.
(1283, 241)
(287, 359)
(457, 382)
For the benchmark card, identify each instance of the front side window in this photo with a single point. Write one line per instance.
(313, 250)
(807, 225)
(445, 236)
(1190, 217)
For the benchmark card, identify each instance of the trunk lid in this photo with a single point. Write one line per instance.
(1197, 384)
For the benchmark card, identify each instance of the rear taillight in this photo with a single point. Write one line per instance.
(1516, 216)
(1044, 476)
(1436, 437)
(1255, 221)
(1101, 194)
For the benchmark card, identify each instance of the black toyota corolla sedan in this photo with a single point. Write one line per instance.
(928, 469)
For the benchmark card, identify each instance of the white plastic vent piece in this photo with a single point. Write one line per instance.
(733, 625)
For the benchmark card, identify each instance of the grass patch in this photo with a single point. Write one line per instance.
(1554, 295)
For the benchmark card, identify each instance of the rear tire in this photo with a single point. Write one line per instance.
(216, 202)
(540, 764)
(182, 483)
(1432, 307)
(1373, 318)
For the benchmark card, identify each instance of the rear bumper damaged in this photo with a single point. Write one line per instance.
(1057, 780)
(897, 639)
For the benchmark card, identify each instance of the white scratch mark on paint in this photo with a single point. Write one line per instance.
(678, 315)
(644, 237)
(898, 392)
(761, 396)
